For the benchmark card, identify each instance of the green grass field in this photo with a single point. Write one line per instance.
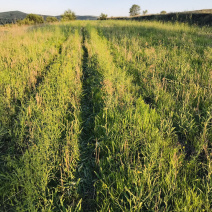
(106, 116)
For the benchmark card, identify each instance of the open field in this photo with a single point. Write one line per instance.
(106, 116)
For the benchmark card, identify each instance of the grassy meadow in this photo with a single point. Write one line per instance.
(106, 116)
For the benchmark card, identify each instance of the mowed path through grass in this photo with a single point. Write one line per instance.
(90, 107)
(106, 116)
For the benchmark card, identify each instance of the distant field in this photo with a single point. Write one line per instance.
(106, 116)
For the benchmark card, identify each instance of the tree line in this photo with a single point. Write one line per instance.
(70, 15)
(38, 19)
(134, 11)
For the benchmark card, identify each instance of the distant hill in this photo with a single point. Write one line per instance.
(86, 17)
(13, 16)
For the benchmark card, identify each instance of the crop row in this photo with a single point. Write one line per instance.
(142, 165)
(39, 166)
(171, 66)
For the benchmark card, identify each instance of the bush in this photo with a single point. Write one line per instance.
(31, 19)
(37, 19)
(25, 22)
(163, 12)
(51, 19)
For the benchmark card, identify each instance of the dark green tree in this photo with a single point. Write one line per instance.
(135, 10)
(68, 16)
(163, 12)
(102, 17)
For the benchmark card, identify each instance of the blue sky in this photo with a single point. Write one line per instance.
(96, 7)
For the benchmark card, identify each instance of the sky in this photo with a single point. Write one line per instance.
(96, 7)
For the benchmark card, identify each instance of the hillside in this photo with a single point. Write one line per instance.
(199, 17)
(13, 16)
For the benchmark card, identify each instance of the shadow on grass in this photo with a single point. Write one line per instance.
(91, 105)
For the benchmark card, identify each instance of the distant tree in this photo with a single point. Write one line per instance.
(102, 17)
(35, 19)
(145, 12)
(135, 10)
(163, 12)
(31, 19)
(51, 19)
(68, 16)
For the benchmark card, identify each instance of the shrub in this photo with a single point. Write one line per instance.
(25, 22)
(51, 19)
(31, 19)
(37, 19)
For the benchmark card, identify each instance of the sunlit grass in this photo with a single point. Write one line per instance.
(148, 120)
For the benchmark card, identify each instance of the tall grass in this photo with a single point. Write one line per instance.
(106, 116)
(25, 56)
(138, 140)
(46, 135)
(173, 69)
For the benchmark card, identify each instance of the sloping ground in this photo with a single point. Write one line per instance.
(191, 18)
(199, 17)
